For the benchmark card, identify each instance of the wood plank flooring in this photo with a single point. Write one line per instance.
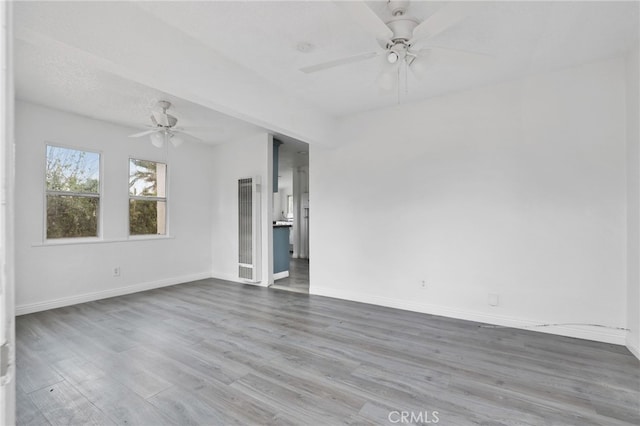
(298, 279)
(212, 352)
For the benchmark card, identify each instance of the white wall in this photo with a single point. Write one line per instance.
(633, 203)
(301, 225)
(7, 214)
(280, 202)
(55, 275)
(249, 157)
(516, 189)
(277, 204)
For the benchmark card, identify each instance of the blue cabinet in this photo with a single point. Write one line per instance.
(281, 248)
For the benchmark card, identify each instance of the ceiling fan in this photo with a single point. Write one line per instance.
(401, 36)
(163, 128)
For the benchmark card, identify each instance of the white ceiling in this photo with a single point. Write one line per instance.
(87, 57)
(520, 37)
(76, 83)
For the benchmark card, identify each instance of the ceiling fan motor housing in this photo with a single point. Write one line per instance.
(402, 28)
(171, 120)
(164, 105)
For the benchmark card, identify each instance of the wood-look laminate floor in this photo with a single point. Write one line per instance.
(211, 352)
(298, 279)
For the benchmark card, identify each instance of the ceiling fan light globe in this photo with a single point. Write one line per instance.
(392, 57)
(419, 67)
(176, 141)
(157, 139)
(386, 80)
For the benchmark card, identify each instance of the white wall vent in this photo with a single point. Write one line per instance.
(249, 230)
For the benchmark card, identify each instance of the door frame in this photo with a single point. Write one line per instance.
(7, 188)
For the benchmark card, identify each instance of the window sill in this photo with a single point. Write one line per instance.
(79, 241)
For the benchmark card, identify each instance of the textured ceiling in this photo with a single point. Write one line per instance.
(77, 83)
(115, 60)
(520, 38)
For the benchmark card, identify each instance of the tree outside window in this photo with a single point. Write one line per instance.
(147, 197)
(72, 193)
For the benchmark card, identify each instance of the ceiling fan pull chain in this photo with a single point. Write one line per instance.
(398, 86)
(406, 79)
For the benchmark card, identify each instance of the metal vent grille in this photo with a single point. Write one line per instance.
(245, 272)
(248, 227)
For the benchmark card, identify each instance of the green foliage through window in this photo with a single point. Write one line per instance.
(73, 193)
(147, 197)
(72, 216)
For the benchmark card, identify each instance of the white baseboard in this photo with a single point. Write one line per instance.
(226, 277)
(104, 294)
(635, 350)
(279, 275)
(236, 279)
(581, 332)
(589, 333)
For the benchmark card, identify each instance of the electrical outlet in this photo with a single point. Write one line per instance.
(423, 284)
(494, 299)
(116, 271)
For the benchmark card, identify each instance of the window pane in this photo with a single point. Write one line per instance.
(147, 178)
(72, 170)
(289, 205)
(72, 216)
(147, 217)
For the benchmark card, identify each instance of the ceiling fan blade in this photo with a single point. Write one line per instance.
(447, 16)
(146, 132)
(161, 118)
(366, 18)
(338, 62)
(180, 132)
(455, 57)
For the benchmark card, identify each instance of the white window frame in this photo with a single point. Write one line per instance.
(48, 192)
(148, 198)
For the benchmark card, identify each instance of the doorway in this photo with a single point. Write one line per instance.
(291, 208)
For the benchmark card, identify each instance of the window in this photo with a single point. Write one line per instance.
(73, 193)
(147, 197)
(289, 206)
